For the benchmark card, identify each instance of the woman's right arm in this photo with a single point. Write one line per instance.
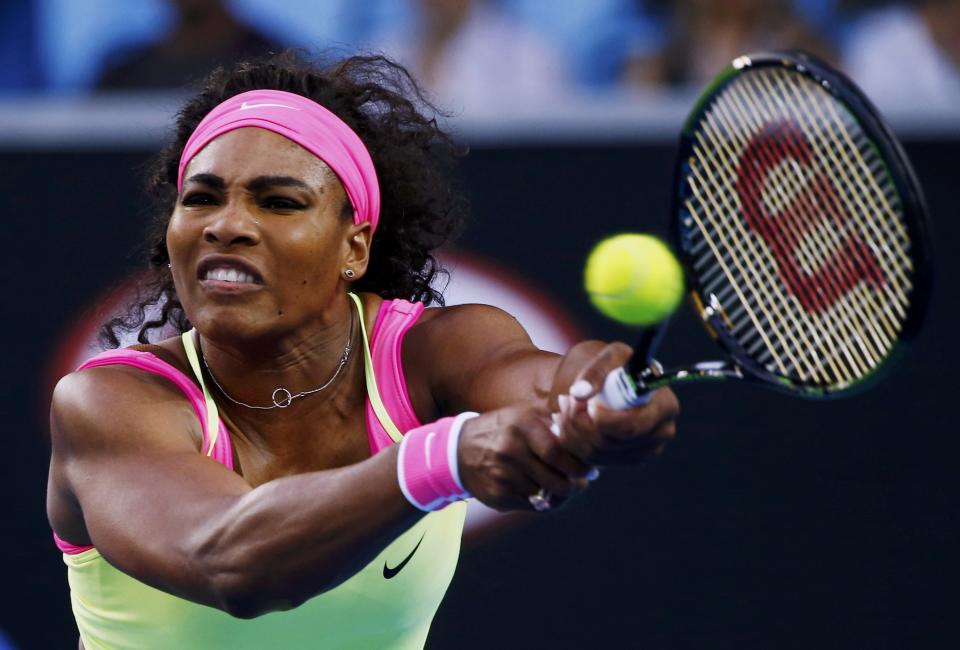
(125, 460)
(174, 519)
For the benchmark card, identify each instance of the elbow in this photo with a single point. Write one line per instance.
(246, 596)
(232, 588)
(247, 572)
(246, 584)
(238, 599)
(237, 579)
(244, 605)
(253, 593)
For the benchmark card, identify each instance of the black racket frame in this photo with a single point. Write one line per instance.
(740, 365)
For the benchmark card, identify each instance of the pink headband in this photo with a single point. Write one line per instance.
(308, 124)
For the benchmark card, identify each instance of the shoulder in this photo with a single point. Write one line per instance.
(457, 353)
(97, 384)
(466, 335)
(484, 322)
(113, 401)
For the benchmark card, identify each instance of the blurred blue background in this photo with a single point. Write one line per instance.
(472, 52)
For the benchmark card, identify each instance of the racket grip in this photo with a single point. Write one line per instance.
(619, 392)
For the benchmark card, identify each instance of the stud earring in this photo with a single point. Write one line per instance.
(349, 274)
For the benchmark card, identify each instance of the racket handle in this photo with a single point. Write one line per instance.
(619, 391)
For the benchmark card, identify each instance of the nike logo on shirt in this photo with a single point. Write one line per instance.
(389, 573)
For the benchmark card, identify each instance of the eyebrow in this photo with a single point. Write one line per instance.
(261, 182)
(208, 179)
(258, 183)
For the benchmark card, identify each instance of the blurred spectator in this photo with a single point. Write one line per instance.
(468, 53)
(205, 35)
(703, 36)
(907, 56)
(18, 43)
(594, 36)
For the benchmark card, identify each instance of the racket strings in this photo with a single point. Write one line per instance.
(857, 191)
(881, 330)
(799, 340)
(755, 266)
(779, 315)
(827, 198)
(832, 322)
(810, 199)
(744, 301)
(851, 360)
(869, 197)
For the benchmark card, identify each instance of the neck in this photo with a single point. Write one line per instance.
(288, 372)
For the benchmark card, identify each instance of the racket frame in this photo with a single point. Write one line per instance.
(742, 365)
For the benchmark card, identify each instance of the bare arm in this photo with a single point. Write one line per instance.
(176, 520)
(480, 358)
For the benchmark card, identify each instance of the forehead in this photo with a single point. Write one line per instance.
(250, 152)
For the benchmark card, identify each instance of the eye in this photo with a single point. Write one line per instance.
(198, 199)
(281, 203)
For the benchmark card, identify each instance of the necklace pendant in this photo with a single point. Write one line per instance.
(284, 399)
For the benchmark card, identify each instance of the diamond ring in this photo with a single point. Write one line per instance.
(540, 501)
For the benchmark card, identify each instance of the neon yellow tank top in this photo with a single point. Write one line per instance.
(114, 610)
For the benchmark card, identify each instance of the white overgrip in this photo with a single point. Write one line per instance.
(619, 392)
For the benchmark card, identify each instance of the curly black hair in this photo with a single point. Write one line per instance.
(421, 207)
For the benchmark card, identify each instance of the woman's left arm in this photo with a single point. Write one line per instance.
(479, 358)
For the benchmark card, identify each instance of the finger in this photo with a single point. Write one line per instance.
(552, 481)
(632, 451)
(507, 487)
(579, 434)
(546, 447)
(641, 421)
(590, 379)
(537, 436)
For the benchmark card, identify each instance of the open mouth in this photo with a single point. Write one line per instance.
(222, 274)
(226, 271)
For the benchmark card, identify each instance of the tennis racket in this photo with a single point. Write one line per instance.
(802, 231)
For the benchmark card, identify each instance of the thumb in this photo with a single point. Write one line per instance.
(590, 379)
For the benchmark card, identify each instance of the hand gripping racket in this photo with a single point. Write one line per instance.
(802, 231)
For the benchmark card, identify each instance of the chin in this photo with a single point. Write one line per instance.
(234, 324)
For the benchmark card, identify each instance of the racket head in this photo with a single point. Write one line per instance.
(801, 226)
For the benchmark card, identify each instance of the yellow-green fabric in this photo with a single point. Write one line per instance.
(114, 610)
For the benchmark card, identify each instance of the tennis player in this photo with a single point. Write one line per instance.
(291, 471)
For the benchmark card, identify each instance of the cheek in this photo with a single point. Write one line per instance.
(176, 236)
(179, 240)
(313, 258)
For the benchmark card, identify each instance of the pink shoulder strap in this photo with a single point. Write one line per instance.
(393, 320)
(222, 451)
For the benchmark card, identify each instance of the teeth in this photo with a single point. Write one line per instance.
(229, 275)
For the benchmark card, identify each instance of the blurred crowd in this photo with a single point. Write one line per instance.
(466, 52)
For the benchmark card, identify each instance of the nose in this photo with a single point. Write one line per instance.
(233, 225)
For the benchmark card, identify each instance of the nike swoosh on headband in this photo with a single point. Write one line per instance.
(389, 573)
(244, 106)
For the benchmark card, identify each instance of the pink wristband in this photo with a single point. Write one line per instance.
(427, 464)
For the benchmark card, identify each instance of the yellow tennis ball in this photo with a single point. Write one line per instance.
(634, 279)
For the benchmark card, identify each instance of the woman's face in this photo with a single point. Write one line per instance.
(257, 242)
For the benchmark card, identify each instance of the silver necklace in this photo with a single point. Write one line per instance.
(281, 397)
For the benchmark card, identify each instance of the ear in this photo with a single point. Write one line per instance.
(357, 253)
